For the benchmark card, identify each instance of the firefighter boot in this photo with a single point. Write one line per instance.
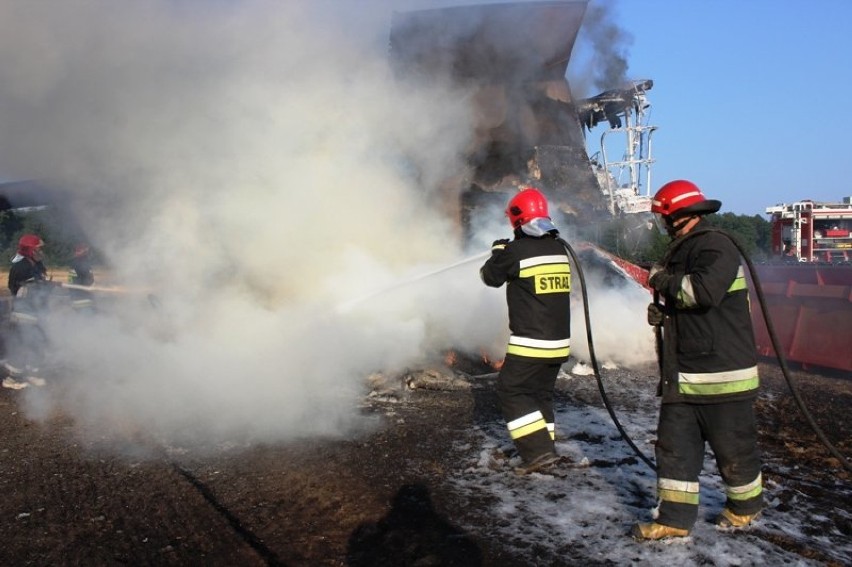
(36, 381)
(13, 384)
(728, 519)
(654, 531)
(539, 464)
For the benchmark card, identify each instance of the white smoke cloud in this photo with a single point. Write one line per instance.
(242, 162)
(620, 332)
(248, 168)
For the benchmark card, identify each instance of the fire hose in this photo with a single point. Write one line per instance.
(593, 359)
(773, 337)
(659, 339)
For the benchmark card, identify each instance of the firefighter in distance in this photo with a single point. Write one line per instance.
(709, 377)
(30, 288)
(534, 266)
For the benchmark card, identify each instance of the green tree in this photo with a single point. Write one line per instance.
(637, 239)
(752, 232)
(59, 237)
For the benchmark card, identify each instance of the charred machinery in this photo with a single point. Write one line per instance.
(513, 58)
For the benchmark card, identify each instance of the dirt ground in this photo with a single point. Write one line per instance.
(381, 500)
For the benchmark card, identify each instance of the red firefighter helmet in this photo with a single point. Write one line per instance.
(527, 205)
(681, 198)
(28, 244)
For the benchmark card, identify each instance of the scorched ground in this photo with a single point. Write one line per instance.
(413, 492)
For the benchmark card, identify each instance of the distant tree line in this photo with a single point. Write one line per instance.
(637, 238)
(633, 237)
(59, 236)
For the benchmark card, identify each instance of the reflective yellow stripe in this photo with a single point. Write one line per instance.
(538, 348)
(677, 496)
(725, 388)
(678, 485)
(682, 491)
(526, 425)
(22, 318)
(552, 283)
(540, 260)
(746, 491)
(545, 269)
(710, 383)
(538, 352)
(739, 282)
(686, 293)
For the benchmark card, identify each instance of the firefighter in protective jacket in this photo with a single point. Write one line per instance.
(535, 267)
(30, 288)
(709, 378)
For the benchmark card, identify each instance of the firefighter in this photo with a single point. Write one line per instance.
(709, 378)
(29, 288)
(80, 269)
(534, 265)
(80, 274)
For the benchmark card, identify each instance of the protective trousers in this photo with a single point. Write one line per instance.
(525, 392)
(730, 430)
(27, 342)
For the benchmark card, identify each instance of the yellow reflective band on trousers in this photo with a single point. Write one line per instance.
(746, 491)
(714, 383)
(680, 491)
(538, 348)
(526, 425)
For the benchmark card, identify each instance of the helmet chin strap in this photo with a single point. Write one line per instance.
(680, 226)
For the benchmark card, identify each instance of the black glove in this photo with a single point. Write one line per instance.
(655, 315)
(659, 279)
(499, 244)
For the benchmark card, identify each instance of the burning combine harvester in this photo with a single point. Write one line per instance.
(528, 129)
(513, 58)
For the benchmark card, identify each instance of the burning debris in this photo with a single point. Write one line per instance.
(393, 387)
(457, 372)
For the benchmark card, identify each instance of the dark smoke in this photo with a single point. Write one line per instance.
(601, 53)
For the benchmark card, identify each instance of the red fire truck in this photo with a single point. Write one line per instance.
(809, 293)
(810, 231)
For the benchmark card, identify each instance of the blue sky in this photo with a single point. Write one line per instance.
(749, 95)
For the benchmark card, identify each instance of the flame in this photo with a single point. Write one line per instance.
(450, 358)
(495, 364)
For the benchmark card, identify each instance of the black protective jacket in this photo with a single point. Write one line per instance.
(31, 275)
(24, 270)
(538, 278)
(709, 349)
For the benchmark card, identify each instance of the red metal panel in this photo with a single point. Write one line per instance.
(811, 311)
